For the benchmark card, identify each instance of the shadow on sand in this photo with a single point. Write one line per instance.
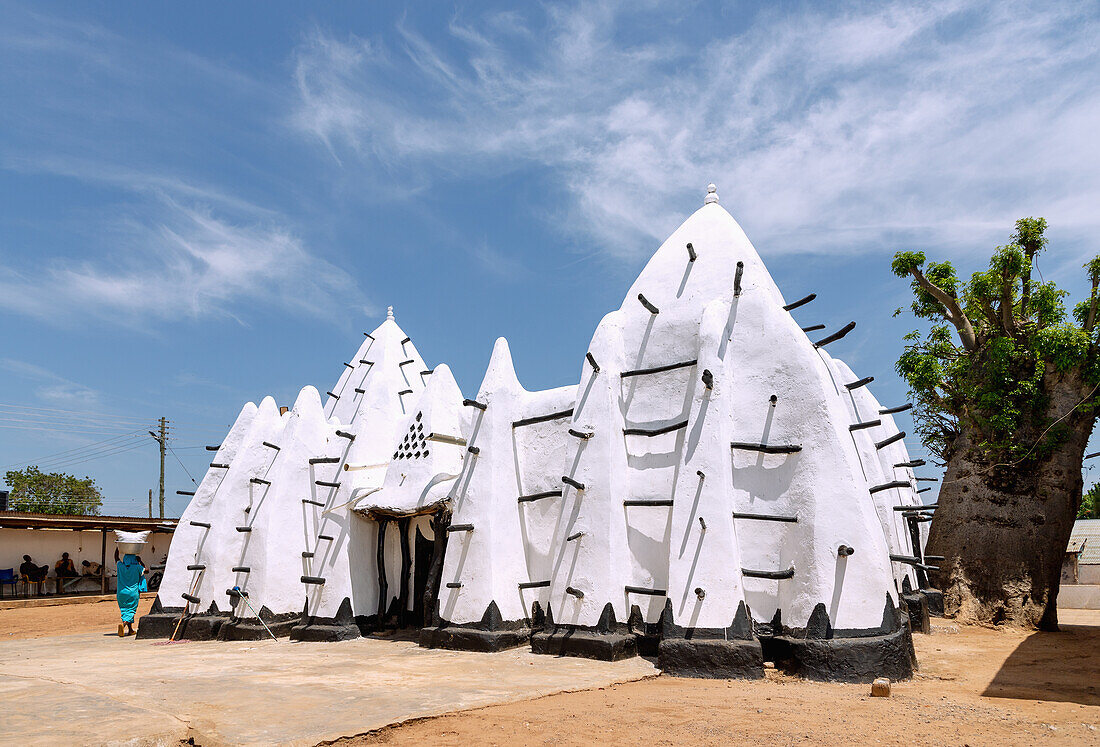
(1063, 666)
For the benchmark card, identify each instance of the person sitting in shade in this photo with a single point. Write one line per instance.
(91, 568)
(31, 573)
(64, 569)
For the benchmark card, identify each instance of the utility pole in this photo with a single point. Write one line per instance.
(162, 441)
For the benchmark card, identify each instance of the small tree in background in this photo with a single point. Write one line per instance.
(1090, 504)
(53, 493)
(1004, 385)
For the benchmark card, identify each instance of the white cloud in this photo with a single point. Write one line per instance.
(186, 264)
(54, 388)
(931, 123)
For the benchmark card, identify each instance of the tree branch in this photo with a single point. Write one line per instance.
(1025, 295)
(987, 311)
(1007, 320)
(954, 312)
(1092, 307)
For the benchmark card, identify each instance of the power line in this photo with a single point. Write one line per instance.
(86, 415)
(66, 429)
(90, 452)
(10, 418)
(68, 451)
(182, 465)
(59, 464)
(74, 463)
(49, 412)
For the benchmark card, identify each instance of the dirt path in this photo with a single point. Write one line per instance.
(41, 622)
(976, 687)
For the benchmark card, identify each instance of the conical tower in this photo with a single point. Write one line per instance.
(423, 466)
(231, 519)
(506, 508)
(366, 408)
(870, 433)
(703, 317)
(190, 549)
(281, 523)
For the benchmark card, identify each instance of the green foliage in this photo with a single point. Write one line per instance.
(996, 388)
(1029, 235)
(905, 262)
(1090, 504)
(53, 493)
(1093, 266)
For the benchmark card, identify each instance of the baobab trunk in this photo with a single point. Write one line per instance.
(1003, 529)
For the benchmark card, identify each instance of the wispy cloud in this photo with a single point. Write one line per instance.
(146, 129)
(826, 130)
(133, 180)
(502, 265)
(53, 388)
(187, 264)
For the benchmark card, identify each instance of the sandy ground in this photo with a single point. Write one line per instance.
(976, 686)
(95, 688)
(40, 622)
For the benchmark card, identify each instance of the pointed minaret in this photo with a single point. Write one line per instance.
(231, 520)
(798, 494)
(187, 558)
(503, 500)
(425, 461)
(366, 409)
(282, 523)
(385, 365)
(587, 605)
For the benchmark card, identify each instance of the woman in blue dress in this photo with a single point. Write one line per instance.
(131, 572)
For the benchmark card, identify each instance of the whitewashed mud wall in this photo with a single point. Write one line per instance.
(193, 548)
(280, 522)
(702, 355)
(505, 512)
(370, 401)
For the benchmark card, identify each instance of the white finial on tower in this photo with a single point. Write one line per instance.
(389, 312)
(712, 194)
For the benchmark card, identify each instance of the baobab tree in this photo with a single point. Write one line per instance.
(1004, 384)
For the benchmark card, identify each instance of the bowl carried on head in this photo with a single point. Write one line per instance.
(130, 543)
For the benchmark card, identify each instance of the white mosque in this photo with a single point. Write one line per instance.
(716, 490)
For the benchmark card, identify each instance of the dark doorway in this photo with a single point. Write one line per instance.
(422, 562)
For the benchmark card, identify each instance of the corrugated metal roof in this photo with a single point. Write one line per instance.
(1086, 531)
(27, 520)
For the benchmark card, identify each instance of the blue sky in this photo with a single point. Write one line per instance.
(205, 203)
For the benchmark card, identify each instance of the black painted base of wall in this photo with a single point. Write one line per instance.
(711, 658)
(253, 630)
(916, 604)
(341, 627)
(934, 597)
(844, 659)
(158, 624)
(586, 644)
(193, 628)
(324, 632)
(471, 639)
